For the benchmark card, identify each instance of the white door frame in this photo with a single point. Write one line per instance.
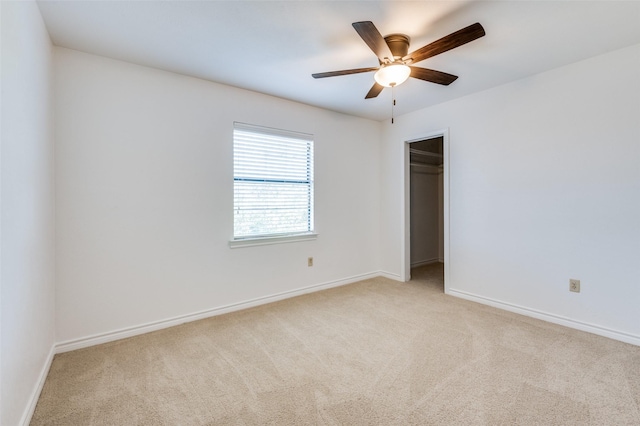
(405, 270)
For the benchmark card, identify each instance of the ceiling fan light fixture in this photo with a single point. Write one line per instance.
(393, 74)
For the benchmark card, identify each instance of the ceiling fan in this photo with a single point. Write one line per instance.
(395, 63)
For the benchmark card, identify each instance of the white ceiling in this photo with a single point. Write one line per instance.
(273, 47)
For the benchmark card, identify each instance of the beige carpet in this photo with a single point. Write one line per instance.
(376, 352)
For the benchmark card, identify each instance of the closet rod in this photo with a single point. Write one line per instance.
(432, 170)
(425, 153)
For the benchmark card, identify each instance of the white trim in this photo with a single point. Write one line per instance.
(545, 316)
(123, 333)
(405, 217)
(425, 262)
(446, 189)
(265, 241)
(390, 275)
(98, 339)
(37, 390)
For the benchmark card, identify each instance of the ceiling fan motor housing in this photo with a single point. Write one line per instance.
(398, 44)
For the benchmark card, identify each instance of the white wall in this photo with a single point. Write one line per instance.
(27, 221)
(145, 197)
(544, 186)
(424, 215)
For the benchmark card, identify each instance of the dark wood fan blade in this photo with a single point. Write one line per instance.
(374, 39)
(433, 76)
(343, 72)
(375, 91)
(449, 42)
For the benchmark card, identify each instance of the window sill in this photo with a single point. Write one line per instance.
(264, 241)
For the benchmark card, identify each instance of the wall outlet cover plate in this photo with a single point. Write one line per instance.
(574, 285)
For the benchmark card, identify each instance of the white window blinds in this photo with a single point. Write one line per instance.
(272, 182)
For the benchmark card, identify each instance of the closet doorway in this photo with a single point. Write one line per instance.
(425, 199)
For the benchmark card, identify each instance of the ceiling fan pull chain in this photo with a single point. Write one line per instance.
(393, 101)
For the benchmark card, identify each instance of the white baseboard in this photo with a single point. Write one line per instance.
(425, 262)
(37, 390)
(97, 339)
(389, 275)
(556, 319)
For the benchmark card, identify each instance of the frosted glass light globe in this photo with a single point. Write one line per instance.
(392, 75)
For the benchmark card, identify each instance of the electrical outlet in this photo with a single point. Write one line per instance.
(310, 261)
(574, 285)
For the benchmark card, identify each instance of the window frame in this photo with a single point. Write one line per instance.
(276, 238)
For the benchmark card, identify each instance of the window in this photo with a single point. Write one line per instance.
(272, 183)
